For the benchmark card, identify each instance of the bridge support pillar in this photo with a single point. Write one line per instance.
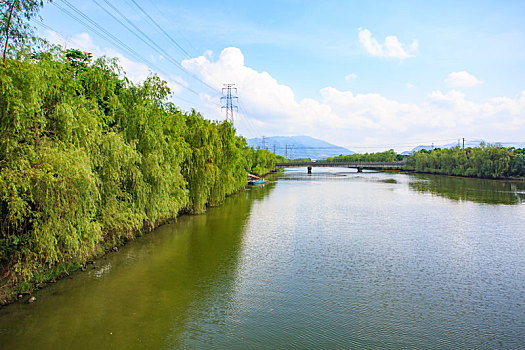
(309, 170)
(359, 169)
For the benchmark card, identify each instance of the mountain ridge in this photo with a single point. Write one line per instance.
(299, 147)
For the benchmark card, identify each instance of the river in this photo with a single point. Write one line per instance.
(335, 259)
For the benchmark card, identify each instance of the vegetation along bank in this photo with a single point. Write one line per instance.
(88, 160)
(486, 161)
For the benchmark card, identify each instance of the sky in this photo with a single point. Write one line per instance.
(366, 75)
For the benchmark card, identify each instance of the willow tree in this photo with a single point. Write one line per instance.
(89, 159)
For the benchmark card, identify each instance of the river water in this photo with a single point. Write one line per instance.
(336, 259)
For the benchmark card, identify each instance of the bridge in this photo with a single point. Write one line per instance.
(358, 165)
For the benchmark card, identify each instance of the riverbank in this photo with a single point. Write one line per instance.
(486, 161)
(90, 160)
(406, 171)
(11, 291)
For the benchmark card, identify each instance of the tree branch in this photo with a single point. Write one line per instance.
(7, 28)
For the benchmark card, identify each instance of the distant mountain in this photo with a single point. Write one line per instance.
(299, 147)
(473, 143)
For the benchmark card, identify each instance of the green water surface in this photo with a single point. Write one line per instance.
(336, 259)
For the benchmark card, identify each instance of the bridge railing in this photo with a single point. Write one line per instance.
(399, 164)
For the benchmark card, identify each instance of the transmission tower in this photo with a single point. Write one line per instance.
(229, 94)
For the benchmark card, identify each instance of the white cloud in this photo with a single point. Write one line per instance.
(342, 117)
(462, 79)
(351, 76)
(409, 85)
(392, 48)
(346, 118)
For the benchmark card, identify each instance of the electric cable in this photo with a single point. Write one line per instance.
(103, 33)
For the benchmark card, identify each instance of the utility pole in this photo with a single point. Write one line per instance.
(229, 95)
(286, 152)
(463, 143)
(263, 142)
(274, 148)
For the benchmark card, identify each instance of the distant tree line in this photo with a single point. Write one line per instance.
(281, 159)
(486, 161)
(386, 156)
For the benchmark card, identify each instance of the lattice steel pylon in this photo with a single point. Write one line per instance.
(229, 103)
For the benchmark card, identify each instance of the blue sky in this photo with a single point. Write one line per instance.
(366, 75)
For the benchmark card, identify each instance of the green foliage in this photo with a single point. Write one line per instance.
(88, 159)
(486, 161)
(78, 58)
(517, 162)
(386, 156)
(281, 159)
(263, 161)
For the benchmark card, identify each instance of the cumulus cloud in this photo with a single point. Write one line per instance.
(342, 117)
(462, 79)
(347, 118)
(391, 48)
(351, 76)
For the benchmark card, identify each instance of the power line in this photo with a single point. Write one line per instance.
(161, 29)
(155, 23)
(241, 119)
(108, 36)
(315, 148)
(181, 48)
(244, 116)
(195, 51)
(103, 33)
(400, 144)
(229, 107)
(45, 26)
(174, 42)
(257, 131)
(97, 29)
(149, 41)
(155, 47)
